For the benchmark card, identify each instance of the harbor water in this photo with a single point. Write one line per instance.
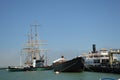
(50, 75)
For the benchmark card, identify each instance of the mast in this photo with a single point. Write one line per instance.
(36, 42)
(32, 49)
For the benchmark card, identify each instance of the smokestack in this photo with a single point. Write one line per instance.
(94, 48)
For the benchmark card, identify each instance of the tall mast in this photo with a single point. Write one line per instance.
(36, 32)
(36, 42)
(32, 49)
(31, 34)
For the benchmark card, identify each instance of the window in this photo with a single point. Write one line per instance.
(97, 61)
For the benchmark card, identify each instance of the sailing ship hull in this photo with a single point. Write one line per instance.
(19, 69)
(74, 65)
(13, 69)
(44, 68)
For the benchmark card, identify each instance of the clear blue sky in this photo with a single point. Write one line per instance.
(69, 26)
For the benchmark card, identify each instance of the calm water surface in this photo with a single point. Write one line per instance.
(50, 75)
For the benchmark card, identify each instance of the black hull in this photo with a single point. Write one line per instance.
(103, 69)
(74, 65)
(21, 69)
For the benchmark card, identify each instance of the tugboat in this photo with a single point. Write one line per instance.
(74, 65)
(33, 53)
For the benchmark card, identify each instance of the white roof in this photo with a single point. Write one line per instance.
(59, 60)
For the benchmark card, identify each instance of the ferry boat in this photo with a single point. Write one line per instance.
(97, 58)
(73, 65)
(102, 61)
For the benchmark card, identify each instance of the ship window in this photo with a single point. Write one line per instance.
(91, 56)
(97, 61)
(105, 60)
(104, 51)
(96, 56)
(106, 56)
(102, 55)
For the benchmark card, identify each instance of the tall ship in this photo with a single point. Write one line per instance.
(33, 50)
(73, 65)
(33, 54)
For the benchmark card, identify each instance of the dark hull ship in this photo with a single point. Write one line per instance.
(74, 65)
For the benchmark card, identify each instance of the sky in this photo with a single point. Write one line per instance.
(69, 26)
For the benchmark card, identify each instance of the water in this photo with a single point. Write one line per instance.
(50, 75)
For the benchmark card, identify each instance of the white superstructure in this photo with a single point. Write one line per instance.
(62, 59)
(97, 58)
